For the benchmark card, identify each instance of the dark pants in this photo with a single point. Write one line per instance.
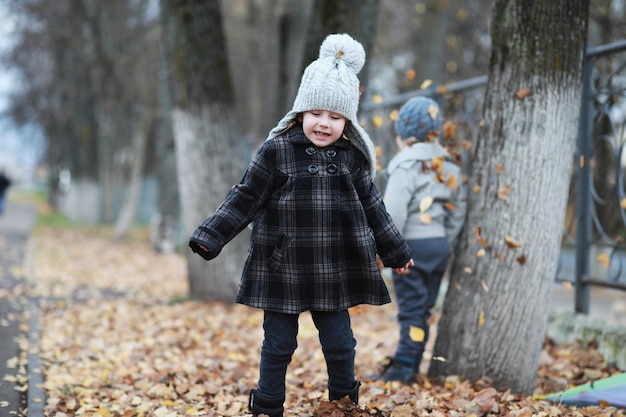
(416, 294)
(279, 344)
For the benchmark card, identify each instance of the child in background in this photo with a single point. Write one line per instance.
(318, 223)
(426, 199)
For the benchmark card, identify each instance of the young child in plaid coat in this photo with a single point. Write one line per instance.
(318, 223)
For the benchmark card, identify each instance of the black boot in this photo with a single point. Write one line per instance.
(260, 403)
(352, 394)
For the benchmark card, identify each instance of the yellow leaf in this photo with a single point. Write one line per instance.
(452, 182)
(433, 111)
(103, 412)
(393, 115)
(481, 252)
(511, 242)
(623, 203)
(436, 164)
(481, 318)
(377, 99)
(426, 84)
(425, 203)
(378, 121)
(476, 188)
(416, 334)
(604, 260)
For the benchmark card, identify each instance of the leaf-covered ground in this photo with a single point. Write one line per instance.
(119, 339)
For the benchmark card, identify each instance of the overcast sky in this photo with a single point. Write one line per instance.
(19, 149)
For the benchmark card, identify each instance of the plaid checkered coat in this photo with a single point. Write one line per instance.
(318, 223)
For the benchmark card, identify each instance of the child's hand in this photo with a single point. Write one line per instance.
(405, 269)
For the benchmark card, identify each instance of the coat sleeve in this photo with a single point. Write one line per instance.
(390, 245)
(240, 207)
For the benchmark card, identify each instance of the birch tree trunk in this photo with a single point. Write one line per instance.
(209, 155)
(495, 311)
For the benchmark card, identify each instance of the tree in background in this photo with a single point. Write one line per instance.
(495, 311)
(210, 153)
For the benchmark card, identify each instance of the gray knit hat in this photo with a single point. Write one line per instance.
(417, 117)
(330, 83)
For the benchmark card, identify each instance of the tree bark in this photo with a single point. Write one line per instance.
(495, 311)
(210, 156)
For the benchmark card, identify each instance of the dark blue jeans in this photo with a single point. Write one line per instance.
(279, 344)
(416, 294)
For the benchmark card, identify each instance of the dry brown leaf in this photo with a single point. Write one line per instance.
(511, 242)
(503, 192)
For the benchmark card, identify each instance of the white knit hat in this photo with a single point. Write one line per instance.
(330, 83)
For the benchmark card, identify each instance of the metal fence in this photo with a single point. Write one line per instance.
(594, 249)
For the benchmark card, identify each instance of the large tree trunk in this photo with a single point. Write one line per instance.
(209, 153)
(495, 310)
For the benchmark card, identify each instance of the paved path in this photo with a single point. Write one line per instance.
(15, 312)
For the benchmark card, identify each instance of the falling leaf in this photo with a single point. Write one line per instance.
(466, 144)
(522, 93)
(481, 123)
(521, 259)
(442, 89)
(623, 203)
(481, 318)
(484, 284)
(436, 164)
(467, 270)
(378, 121)
(433, 111)
(449, 130)
(481, 252)
(410, 74)
(377, 99)
(426, 218)
(425, 203)
(450, 206)
(393, 116)
(581, 161)
(476, 188)
(478, 237)
(425, 84)
(416, 334)
(499, 168)
(567, 285)
(604, 260)
(439, 359)
(511, 242)
(452, 182)
(379, 151)
(503, 192)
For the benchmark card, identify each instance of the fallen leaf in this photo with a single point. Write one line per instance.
(481, 318)
(486, 399)
(452, 182)
(376, 98)
(425, 84)
(499, 168)
(481, 252)
(521, 259)
(410, 74)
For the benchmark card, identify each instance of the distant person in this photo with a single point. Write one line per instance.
(426, 199)
(318, 220)
(5, 182)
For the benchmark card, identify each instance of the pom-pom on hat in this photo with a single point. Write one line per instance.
(330, 83)
(417, 117)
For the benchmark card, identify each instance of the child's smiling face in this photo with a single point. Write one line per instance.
(323, 127)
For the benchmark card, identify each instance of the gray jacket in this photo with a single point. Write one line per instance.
(412, 179)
